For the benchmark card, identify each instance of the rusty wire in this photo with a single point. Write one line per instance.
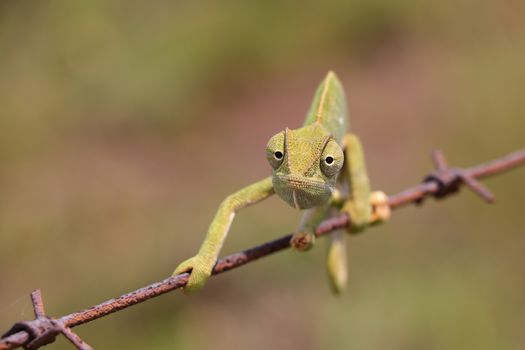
(439, 184)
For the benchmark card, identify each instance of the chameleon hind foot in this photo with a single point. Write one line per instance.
(380, 209)
(302, 241)
(379, 212)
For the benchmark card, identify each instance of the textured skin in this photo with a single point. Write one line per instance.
(308, 163)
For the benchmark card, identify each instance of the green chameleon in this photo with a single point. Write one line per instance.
(307, 163)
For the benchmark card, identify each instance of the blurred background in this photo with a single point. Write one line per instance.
(123, 126)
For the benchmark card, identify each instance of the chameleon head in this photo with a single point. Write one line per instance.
(306, 163)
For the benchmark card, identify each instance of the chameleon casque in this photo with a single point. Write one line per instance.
(319, 168)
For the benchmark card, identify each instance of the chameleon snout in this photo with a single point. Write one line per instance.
(301, 192)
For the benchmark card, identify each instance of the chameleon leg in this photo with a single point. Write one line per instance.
(354, 172)
(201, 265)
(363, 206)
(304, 237)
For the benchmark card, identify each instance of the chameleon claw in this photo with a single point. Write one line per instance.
(302, 241)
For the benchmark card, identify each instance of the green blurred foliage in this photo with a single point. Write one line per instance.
(123, 125)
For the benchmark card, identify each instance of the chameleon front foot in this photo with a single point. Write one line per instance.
(302, 241)
(200, 269)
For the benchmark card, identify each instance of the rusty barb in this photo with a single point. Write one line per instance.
(439, 184)
(449, 180)
(44, 329)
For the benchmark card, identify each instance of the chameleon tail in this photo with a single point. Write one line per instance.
(336, 262)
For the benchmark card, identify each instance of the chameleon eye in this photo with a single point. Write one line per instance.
(275, 150)
(332, 159)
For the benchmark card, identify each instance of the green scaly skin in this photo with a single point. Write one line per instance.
(307, 164)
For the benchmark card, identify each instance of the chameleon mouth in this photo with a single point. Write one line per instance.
(301, 183)
(300, 192)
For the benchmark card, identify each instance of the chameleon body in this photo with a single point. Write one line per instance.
(318, 168)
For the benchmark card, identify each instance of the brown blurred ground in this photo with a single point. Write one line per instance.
(123, 126)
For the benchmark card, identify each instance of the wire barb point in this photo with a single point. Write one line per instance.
(449, 180)
(44, 329)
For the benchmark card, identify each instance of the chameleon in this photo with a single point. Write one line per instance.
(318, 168)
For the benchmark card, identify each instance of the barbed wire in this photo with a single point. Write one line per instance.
(441, 183)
